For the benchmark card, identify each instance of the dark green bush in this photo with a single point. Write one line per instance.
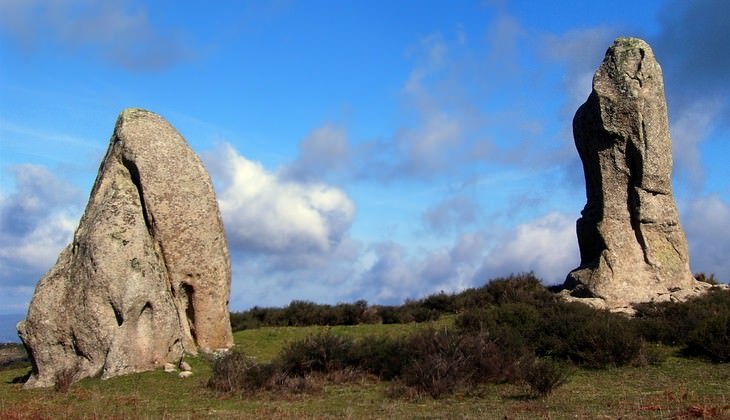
(439, 365)
(705, 279)
(229, 372)
(324, 352)
(510, 330)
(701, 326)
(711, 339)
(567, 331)
(543, 376)
(384, 357)
(443, 361)
(490, 359)
(521, 288)
(589, 337)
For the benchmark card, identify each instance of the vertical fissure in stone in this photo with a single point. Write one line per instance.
(634, 163)
(137, 181)
(189, 293)
(118, 315)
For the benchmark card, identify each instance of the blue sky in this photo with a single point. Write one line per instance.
(378, 150)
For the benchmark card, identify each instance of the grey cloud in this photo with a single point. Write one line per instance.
(689, 129)
(277, 279)
(504, 35)
(581, 51)
(395, 276)
(119, 31)
(693, 48)
(36, 221)
(706, 221)
(454, 212)
(390, 277)
(38, 193)
(323, 151)
(264, 281)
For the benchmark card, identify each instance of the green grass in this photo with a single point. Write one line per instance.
(678, 388)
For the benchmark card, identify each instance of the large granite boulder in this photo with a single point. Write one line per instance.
(632, 246)
(147, 276)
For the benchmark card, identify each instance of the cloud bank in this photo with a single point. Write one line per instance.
(119, 31)
(36, 221)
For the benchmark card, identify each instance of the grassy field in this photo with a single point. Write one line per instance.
(678, 388)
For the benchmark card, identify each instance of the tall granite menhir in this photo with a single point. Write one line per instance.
(147, 276)
(632, 247)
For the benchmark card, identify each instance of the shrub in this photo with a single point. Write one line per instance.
(700, 325)
(589, 337)
(440, 302)
(235, 372)
(443, 361)
(543, 376)
(711, 338)
(229, 372)
(705, 279)
(520, 288)
(439, 366)
(490, 359)
(567, 331)
(511, 327)
(381, 356)
(324, 352)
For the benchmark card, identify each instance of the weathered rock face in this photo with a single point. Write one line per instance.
(147, 276)
(632, 246)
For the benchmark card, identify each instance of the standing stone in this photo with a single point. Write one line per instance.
(147, 276)
(632, 247)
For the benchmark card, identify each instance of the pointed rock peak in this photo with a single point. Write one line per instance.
(147, 276)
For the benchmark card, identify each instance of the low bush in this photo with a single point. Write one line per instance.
(543, 376)
(439, 365)
(510, 330)
(441, 362)
(588, 337)
(230, 371)
(701, 326)
(383, 357)
(324, 352)
(301, 313)
(521, 288)
(566, 331)
(430, 362)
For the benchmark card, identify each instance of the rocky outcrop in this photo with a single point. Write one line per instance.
(147, 276)
(632, 247)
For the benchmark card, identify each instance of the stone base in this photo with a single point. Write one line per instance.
(680, 295)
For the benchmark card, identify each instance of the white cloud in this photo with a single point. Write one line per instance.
(38, 249)
(265, 213)
(689, 130)
(37, 220)
(546, 246)
(706, 222)
(395, 275)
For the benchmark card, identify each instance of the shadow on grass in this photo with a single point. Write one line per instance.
(20, 379)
